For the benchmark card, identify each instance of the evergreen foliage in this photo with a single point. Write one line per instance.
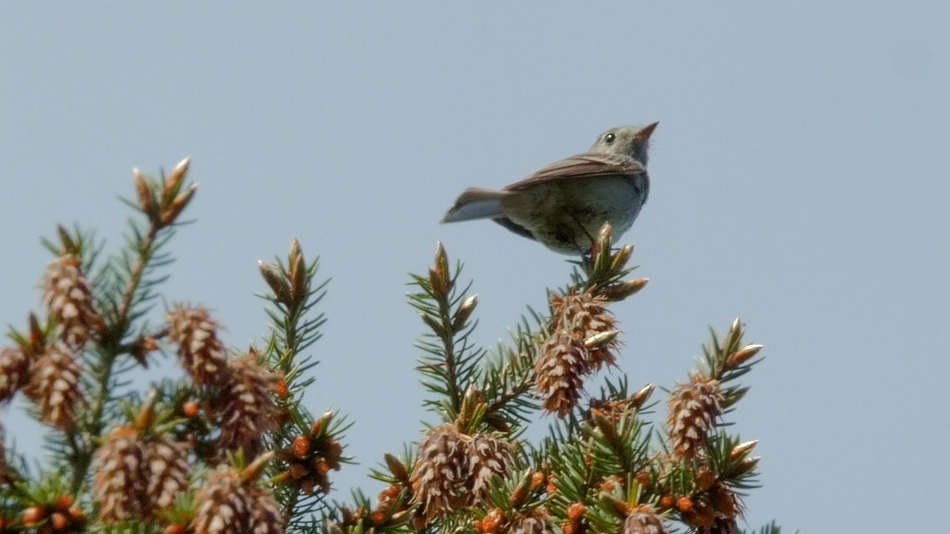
(232, 449)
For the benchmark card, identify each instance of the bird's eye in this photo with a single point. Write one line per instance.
(609, 138)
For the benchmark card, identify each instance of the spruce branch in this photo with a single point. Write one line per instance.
(450, 362)
(308, 448)
(161, 204)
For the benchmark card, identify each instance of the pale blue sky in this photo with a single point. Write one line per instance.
(799, 178)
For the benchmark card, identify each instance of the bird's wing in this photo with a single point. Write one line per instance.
(582, 166)
(514, 227)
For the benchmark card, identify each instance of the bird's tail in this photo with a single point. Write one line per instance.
(476, 203)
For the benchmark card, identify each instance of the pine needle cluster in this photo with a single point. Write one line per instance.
(232, 449)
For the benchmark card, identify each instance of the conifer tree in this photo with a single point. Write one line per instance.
(232, 449)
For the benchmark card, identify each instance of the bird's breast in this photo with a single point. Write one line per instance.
(589, 202)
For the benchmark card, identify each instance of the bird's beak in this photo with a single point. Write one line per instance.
(646, 131)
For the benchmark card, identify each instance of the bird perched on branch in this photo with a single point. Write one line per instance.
(563, 205)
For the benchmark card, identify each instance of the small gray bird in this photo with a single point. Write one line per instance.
(564, 204)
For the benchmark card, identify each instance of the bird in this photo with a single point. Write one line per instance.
(564, 205)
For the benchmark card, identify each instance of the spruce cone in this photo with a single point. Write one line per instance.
(568, 354)
(201, 353)
(693, 409)
(440, 476)
(585, 316)
(488, 456)
(454, 469)
(69, 299)
(266, 517)
(136, 478)
(120, 478)
(559, 372)
(167, 465)
(54, 385)
(247, 405)
(228, 504)
(14, 372)
(223, 506)
(643, 519)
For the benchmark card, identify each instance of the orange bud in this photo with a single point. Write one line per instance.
(684, 504)
(665, 502)
(492, 521)
(63, 503)
(58, 520)
(576, 510)
(389, 493)
(190, 408)
(33, 515)
(643, 478)
(377, 518)
(77, 514)
(300, 446)
(537, 479)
